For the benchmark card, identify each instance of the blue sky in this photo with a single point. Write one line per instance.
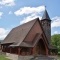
(17, 12)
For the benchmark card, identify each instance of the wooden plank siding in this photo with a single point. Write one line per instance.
(35, 29)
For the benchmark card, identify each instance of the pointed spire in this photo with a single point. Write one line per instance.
(45, 15)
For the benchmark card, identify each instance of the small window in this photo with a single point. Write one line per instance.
(48, 24)
(43, 23)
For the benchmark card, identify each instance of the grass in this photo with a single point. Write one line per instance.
(58, 57)
(3, 57)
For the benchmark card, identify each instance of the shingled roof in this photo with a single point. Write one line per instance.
(18, 34)
(45, 15)
(25, 44)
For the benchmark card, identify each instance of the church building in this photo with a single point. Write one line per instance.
(31, 38)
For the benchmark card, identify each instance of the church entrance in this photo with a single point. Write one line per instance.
(40, 48)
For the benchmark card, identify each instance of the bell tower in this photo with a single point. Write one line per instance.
(46, 23)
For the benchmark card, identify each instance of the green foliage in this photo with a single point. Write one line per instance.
(3, 57)
(55, 40)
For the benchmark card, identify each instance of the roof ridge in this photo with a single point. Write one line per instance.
(30, 29)
(27, 22)
(15, 34)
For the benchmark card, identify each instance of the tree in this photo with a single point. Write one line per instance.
(55, 40)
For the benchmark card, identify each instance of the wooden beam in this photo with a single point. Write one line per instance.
(47, 53)
(10, 49)
(31, 51)
(19, 50)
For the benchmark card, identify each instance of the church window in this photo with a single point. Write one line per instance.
(48, 24)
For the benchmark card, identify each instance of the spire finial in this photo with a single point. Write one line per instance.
(45, 7)
(45, 15)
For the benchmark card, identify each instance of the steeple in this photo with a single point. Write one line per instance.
(45, 15)
(46, 24)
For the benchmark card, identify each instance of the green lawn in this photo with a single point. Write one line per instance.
(58, 58)
(3, 57)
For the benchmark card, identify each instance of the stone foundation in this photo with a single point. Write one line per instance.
(12, 56)
(17, 57)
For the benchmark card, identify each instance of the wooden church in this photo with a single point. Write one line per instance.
(31, 38)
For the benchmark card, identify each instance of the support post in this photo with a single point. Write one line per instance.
(19, 50)
(10, 49)
(46, 51)
(31, 51)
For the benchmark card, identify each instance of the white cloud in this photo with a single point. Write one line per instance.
(55, 22)
(29, 10)
(1, 13)
(10, 12)
(29, 18)
(32, 11)
(3, 33)
(7, 2)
